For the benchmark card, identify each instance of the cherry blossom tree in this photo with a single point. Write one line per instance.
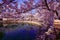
(48, 11)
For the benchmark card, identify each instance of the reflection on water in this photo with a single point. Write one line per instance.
(23, 31)
(20, 32)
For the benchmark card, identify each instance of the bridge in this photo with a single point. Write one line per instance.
(56, 22)
(29, 22)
